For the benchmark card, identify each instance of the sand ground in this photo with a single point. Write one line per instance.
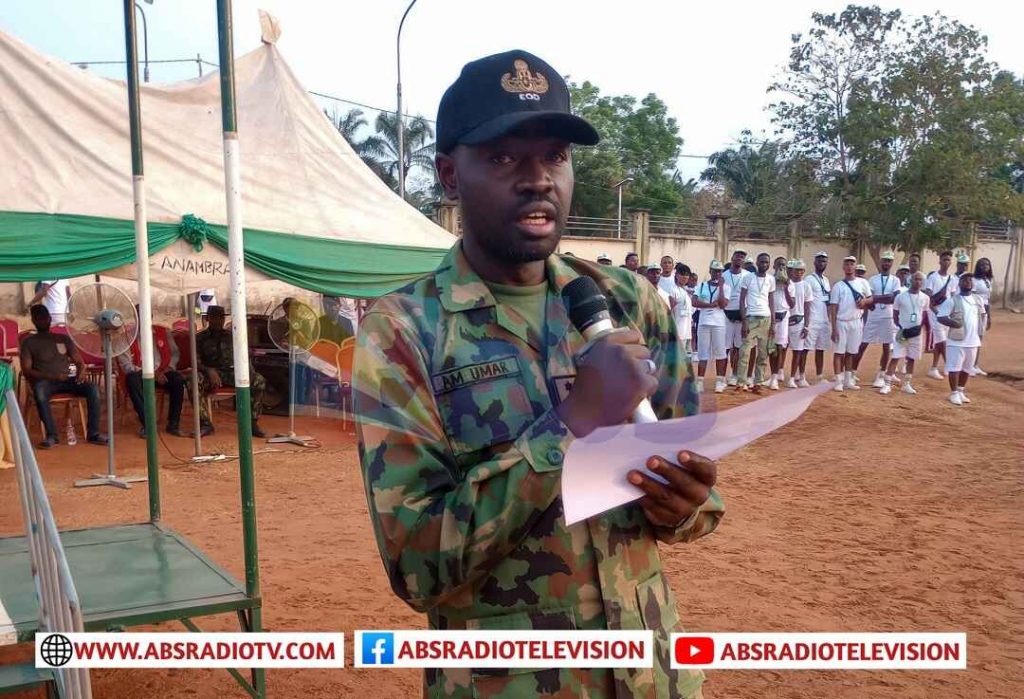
(869, 513)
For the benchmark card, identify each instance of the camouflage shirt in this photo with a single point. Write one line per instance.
(461, 453)
(216, 351)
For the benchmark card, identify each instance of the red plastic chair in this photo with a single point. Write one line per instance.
(9, 338)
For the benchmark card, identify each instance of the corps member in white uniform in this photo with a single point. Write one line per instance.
(711, 298)
(819, 329)
(667, 280)
(783, 303)
(939, 286)
(55, 295)
(850, 296)
(983, 290)
(908, 309)
(797, 324)
(734, 277)
(682, 308)
(878, 328)
(653, 275)
(960, 313)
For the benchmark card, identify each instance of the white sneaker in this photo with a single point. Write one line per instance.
(934, 373)
(732, 380)
(879, 380)
(979, 371)
(781, 375)
(774, 383)
(851, 382)
(719, 385)
(885, 390)
(802, 383)
(963, 396)
(838, 387)
(790, 382)
(856, 380)
(907, 388)
(955, 398)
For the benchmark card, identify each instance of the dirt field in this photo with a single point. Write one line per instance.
(870, 513)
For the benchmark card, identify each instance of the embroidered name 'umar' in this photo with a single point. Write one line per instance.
(474, 373)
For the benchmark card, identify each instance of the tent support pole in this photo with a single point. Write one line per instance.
(239, 325)
(142, 264)
(196, 428)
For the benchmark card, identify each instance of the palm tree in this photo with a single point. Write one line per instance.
(747, 174)
(382, 147)
(348, 125)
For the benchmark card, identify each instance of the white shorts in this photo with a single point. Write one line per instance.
(912, 349)
(733, 334)
(819, 337)
(797, 343)
(850, 333)
(939, 331)
(878, 331)
(782, 332)
(960, 359)
(711, 342)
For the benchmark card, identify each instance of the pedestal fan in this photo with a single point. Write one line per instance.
(102, 322)
(293, 327)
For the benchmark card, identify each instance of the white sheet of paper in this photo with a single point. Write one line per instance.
(595, 468)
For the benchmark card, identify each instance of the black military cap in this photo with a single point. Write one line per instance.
(498, 94)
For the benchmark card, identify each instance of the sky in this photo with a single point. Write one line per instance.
(711, 62)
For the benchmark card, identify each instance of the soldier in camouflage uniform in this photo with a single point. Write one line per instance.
(216, 354)
(469, 391)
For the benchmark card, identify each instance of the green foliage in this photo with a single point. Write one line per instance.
(911, 131)
(638, 140)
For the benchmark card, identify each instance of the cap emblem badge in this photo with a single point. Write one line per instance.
(523, 80)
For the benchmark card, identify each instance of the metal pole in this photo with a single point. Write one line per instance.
(398, 114)
(618, 219)
(239, 326)
(145, 45)
(109, 372)
(142, 264)
(199, 62)
(197, 440)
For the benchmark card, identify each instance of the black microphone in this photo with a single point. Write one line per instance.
(588, 311)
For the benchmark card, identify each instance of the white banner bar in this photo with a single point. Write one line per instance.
(504, 649)
(820, 651)
(191, 650)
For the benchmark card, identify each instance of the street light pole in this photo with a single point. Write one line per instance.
(145, 42)
(398, 114)
(618, 221)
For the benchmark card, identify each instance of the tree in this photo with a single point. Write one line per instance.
(383, 146)
(638, 140)
(905, 122)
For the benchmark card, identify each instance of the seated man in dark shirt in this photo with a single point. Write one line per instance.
(52, 365)
(215, 351)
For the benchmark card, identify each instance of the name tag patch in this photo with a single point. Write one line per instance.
(452, 379)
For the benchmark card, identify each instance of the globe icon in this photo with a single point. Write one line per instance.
(56, 650)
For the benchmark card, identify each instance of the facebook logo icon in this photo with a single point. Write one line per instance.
(378, 648)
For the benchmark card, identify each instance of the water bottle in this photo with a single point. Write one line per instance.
(72, 438)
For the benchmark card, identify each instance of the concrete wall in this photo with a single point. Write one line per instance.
(589, 248)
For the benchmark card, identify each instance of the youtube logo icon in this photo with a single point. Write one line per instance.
(694, 650)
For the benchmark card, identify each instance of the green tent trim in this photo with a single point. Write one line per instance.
(36, 246)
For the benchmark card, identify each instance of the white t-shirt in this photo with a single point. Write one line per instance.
(801, 292)
(911, 308)
(842, 296)
(983, 290)
(882, 284)
(935, 283)
(821, 290)
(683, 312)
(734, 282)
(667, 284)
(56, 299)
(779, 297)
(709, 293)
(971, 317)
(664, 296)
(758, 290)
